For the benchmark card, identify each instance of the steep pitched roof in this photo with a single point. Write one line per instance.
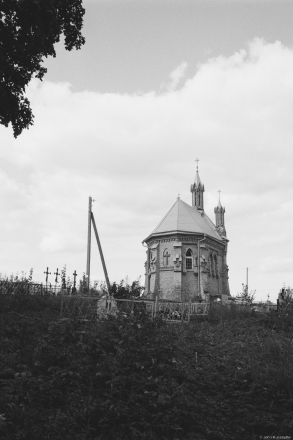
(197, 180)
(185, 218)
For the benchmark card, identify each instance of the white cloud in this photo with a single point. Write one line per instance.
(135, 153)
(176, 76)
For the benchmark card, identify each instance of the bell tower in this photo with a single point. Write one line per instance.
(197, 190)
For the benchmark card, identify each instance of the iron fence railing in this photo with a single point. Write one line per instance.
(19, 287)
(27, 288)
(169, 311)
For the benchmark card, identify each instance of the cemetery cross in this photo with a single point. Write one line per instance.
(47, 273)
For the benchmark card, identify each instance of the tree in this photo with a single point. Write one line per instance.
(28, 31)
(245, 296)
(125, 291)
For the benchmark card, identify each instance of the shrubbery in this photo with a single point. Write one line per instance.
(129, 378)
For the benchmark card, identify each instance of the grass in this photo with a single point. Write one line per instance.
(228, 377)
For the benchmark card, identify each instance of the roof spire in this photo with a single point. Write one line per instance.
(219, 203)
(197, 178)
(197, 190)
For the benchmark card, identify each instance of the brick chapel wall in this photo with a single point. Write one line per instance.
(170, 284)
(152, 282)
(182, 284)
(169, 245)
(189, 286)
(170, 280)
(216, 283)
(213, 285)
(189, 277)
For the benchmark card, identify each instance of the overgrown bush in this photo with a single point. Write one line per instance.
(128, 378)
(124, 290)
(223, 312)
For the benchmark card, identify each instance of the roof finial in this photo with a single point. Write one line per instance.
(178, 196)
(219, 195)
(196, 160)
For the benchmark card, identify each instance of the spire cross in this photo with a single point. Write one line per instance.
(196, 160)
(219, 194)
(57, 275)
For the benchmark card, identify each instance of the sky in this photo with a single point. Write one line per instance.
(157, 85)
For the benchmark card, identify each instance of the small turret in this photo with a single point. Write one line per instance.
(220, 219)
(197, 190)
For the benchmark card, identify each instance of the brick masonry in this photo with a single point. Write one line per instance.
(173, 281)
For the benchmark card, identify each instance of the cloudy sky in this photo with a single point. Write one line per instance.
(158, 84)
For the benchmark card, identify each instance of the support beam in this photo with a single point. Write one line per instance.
(101, 254)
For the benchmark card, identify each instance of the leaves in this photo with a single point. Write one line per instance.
(28, 31)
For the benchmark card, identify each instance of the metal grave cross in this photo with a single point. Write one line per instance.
(74, 279)
(57, 275)
(47, 273)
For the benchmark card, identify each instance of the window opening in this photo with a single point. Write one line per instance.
(188, 259)
(166, 256)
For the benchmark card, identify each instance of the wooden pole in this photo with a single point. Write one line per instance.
(88, 260)
(101, 254)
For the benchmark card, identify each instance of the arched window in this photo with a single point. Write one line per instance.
(188, 259)
(210, 264)
(166, 256)
(216, 265)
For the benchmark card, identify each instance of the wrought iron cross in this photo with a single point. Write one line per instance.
(47, 273)
(74, 279)
(57, 275)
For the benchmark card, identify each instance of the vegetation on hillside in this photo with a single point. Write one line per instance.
(130, 378)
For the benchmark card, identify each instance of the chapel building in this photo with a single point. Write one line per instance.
(187, 252)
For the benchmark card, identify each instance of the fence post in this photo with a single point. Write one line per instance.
(189, 310)
(61, 307)
(156, 303)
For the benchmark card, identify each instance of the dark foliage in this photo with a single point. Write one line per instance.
(28, 31)
(124, 290)
(131, 378)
